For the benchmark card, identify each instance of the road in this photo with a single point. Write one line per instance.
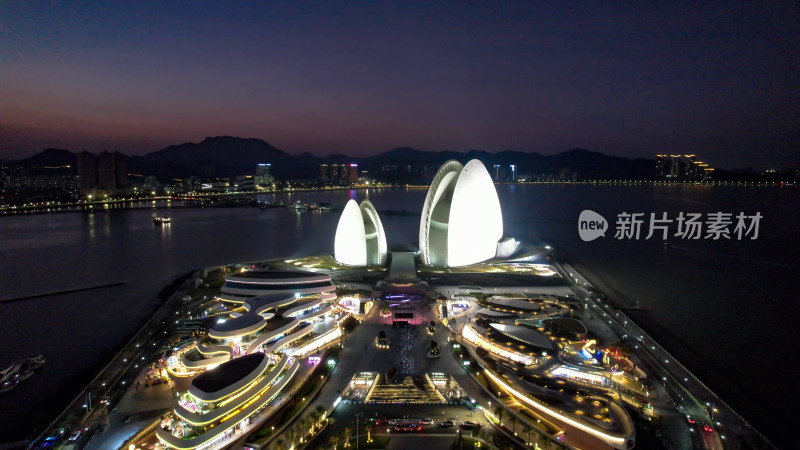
(113, 381)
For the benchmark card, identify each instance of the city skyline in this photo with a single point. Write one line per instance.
(714, 80)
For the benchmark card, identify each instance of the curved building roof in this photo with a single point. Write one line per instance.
(568, 324)
(461, 220)
(258, 314)
(514, 303)
(244, 324)
(241, 286)
(216, 384)
(523, 334)
(360, 239)
(493, 313)
(278, 277)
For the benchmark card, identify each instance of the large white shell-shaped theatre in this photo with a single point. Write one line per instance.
(461, 220)
(360, 240)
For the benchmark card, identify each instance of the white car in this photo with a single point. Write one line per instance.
(74, 437)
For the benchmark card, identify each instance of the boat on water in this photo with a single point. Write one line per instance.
(313, 206)
(161, 221)
(268, 205)
(8, 378)
(11, 376)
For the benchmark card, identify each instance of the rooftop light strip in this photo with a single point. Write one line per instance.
(187, 444)
(520, 396)
(472, 336)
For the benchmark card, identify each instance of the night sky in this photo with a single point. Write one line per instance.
(719, 80)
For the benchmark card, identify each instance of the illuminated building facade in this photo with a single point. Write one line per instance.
(240, 286)
(472, 336)
(360, 239)
(461, 220)
(225, 399)
(682, 168)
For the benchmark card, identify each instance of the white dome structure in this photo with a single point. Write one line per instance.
(461, 220)
(360, 240)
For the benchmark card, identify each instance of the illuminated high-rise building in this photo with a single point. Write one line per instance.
(263, 175)
(87, 172)
(682, 168)
(324, 173)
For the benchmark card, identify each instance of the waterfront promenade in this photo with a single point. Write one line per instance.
(690, 394)
(89, 409)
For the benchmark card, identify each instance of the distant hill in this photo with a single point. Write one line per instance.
(219, 156)
(227, 156)
(588, 164)
(51, 157)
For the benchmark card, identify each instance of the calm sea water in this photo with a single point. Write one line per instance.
(731, 305)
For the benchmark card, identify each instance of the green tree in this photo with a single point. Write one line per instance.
(513, 420)
(486, 435)
(347, 432)
(543, 441)
(527, 430)
(498, 411)
(314, 418)
(303, 426)
(370, 428)
(476, 431)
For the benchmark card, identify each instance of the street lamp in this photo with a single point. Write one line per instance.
(357, 415)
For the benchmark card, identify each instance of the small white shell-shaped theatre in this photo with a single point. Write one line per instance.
(360, 240)
(461, 220)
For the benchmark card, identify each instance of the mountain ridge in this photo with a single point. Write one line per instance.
(226, 156)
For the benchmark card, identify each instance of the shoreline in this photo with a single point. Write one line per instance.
(75, 397)
(14, 210)
(77, 206)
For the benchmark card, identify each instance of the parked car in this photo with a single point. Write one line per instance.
(447, 423)
(467, 425)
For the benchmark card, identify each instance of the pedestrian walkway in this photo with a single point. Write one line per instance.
(138, 408)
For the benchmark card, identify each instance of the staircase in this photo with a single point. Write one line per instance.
(404, 391)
